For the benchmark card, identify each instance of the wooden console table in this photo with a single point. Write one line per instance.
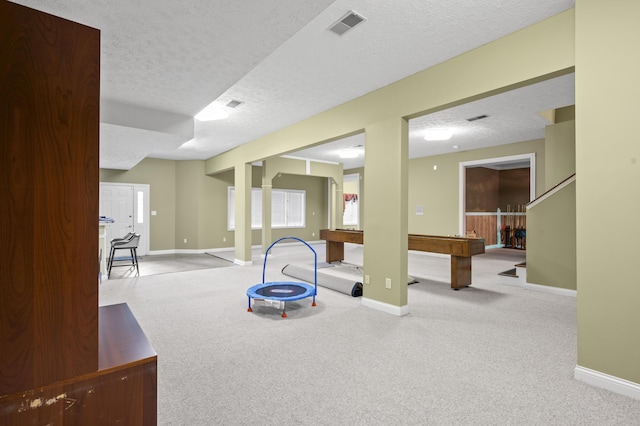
(459, 248)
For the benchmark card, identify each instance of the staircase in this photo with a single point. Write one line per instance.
(516, 276)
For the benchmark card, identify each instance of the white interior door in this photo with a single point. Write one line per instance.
(116, 202)
(128, 206)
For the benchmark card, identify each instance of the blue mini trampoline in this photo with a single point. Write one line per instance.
(284, 291)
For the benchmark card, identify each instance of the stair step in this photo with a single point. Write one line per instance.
(509, 273)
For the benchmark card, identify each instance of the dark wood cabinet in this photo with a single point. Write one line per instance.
(49, 171)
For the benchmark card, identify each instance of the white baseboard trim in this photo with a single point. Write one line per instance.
(184, 251)
(550, 289)
(219, 249)
(243, 262)
(399, 311)
(605, 381)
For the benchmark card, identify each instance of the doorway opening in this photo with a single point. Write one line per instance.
(500, 218)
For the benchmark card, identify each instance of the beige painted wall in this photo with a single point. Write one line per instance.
(192, 205)
(551, 240)
(551, 222)
(317, 205)
(608, 184)
(161, 176)
(560, 146)
(189, 183)
(438, 190)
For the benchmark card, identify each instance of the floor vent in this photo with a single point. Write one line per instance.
(348, 21)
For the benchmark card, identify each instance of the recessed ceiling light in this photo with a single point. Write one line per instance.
(352, 152)
(438, 134)
(212, 112)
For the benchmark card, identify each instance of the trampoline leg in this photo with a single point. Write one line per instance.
(249, 308)
(314, 301)
(284, 314)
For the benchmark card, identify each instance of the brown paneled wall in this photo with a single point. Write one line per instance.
(482, 189)
(514, 188)
(489, 189)
(485, 227)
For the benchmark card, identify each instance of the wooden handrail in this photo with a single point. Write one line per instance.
(552, 191)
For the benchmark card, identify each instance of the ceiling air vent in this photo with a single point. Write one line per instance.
(233, 104)
(348, 21)
(480, 117)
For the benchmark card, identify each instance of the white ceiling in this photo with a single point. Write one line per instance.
(163, 61)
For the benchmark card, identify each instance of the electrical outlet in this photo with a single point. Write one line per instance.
(388, 282)
(185, 241)
(224, 239)
(366, 279)
(313, 234)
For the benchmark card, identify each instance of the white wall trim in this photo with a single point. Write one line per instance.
(178, 251)
(243, 262)
(605, 381)
(550, 289)
(385, 307)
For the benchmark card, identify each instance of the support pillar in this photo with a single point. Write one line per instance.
(385, 231)
(266, 213)
(242, 185)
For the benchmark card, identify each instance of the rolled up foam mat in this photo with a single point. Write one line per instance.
(348, 286)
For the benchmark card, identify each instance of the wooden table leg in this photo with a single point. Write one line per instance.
(334, 251)
(460, 272)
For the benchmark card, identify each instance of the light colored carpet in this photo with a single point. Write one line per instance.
(491, 354)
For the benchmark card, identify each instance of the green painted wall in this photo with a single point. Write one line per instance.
(192, 205)
(189, 192)
(608, 186)
(551, 240)
(560, 146)
(438, 190)
(316, 209)
(161, 176)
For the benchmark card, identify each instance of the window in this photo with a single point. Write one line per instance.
(287, 208)
(140, 208)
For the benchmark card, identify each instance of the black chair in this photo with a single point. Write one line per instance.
(128, 242)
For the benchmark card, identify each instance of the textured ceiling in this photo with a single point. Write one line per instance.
(172, 59)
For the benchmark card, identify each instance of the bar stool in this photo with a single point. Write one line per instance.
(128, 242)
